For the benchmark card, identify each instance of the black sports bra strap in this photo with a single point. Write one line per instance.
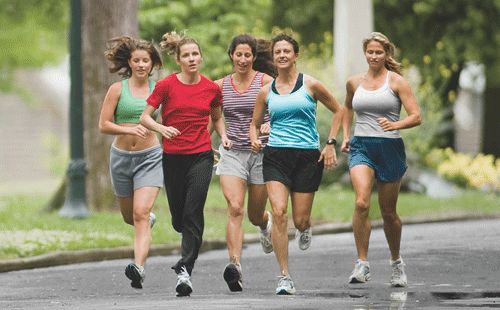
(298, 84)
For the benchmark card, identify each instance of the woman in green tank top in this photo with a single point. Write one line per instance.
(135, 156)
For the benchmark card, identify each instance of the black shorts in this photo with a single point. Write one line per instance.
(298, 169)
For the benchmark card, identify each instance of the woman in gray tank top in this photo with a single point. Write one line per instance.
(376, 152)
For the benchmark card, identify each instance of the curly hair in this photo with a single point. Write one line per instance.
(389, 48)
(120, 49)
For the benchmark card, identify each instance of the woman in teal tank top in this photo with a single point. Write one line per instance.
(293, 164)
(135, 156)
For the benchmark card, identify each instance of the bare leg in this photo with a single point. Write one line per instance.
(257, 199)
(144, 199)
(278, 196)
(127, 209)
(301, 209)
(234, 191)
(388, 198)
(362, 178)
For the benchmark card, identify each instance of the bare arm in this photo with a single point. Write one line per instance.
(402, 88)
(321, 93)
(106, 118)
(257, 119)
(147, 121)
(351, 86)
(220, 126)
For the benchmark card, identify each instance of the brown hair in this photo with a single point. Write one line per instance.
(261, 50)
(171, 42)
(389, 48)
(120, 49)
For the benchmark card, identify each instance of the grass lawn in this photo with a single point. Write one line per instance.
(28, 231)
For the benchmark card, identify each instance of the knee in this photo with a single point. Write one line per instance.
(362, 208)
(128, 219)
(389, 216)
(280, 216)
(302, 223)
(140, 214)
(235, 209)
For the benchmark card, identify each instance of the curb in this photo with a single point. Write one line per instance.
(94, 255)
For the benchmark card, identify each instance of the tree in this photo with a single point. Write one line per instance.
(34, 33)
(212, 23)
(101, 21)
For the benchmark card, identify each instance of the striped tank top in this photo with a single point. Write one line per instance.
(238, 110)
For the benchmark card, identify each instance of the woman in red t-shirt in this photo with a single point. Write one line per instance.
(188, 100)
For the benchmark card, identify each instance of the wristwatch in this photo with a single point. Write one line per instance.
(331, 141)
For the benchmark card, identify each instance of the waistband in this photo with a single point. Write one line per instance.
(151, 149)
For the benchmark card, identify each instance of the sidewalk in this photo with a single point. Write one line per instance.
(94, 255)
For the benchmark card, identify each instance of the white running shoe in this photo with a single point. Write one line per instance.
(265, 235)
(398, 276)
(361, 272)
(233, 277)
(285, 286)
(152, 219)
(184, 286)
(304, 238)
(136, 274)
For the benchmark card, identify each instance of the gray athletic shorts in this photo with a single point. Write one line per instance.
(243, 164)
(131, 170)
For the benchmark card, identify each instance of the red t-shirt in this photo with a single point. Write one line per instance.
(187, 108)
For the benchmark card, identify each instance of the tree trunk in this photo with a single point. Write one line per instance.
(101, 21)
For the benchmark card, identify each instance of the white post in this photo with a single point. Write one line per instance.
(352, 23)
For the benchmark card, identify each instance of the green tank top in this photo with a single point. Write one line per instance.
(129, 108)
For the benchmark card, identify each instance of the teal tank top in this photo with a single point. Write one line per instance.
(293, 119)
(129, 108)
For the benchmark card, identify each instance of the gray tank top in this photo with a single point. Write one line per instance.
(372, 104)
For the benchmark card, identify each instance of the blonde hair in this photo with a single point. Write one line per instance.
(171, 42)
(389, 48)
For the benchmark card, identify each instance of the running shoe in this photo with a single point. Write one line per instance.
(285, 286)
(304, 238)
(152, 219)
(233, 277)
(265, 235)
(184, 286)
(398, 276)
(136, 274)
(361, 272)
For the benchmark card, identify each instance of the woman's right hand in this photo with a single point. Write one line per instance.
(256, 145)
(139, 130)
(345, 146)
(169, 132)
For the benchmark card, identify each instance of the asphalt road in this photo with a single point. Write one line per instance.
(451, 265)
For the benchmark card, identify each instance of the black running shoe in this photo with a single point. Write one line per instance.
(184, 286)
(233, 277)
(136, 274)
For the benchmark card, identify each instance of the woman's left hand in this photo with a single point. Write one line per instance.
(329, 156)
(386, 124)
(265, 128)
(226, 143)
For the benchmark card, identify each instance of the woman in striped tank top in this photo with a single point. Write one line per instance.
(376, 152)
(240, 169)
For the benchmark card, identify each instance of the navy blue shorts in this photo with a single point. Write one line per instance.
(386, 156)
(298, 169)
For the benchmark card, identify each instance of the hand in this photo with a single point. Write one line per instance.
(345, 146)
(169, 132)
(216, 156)
(256, 146)
(329, 156)
(265, 128)
(139, 130)
(226, 143)
(386, 124)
